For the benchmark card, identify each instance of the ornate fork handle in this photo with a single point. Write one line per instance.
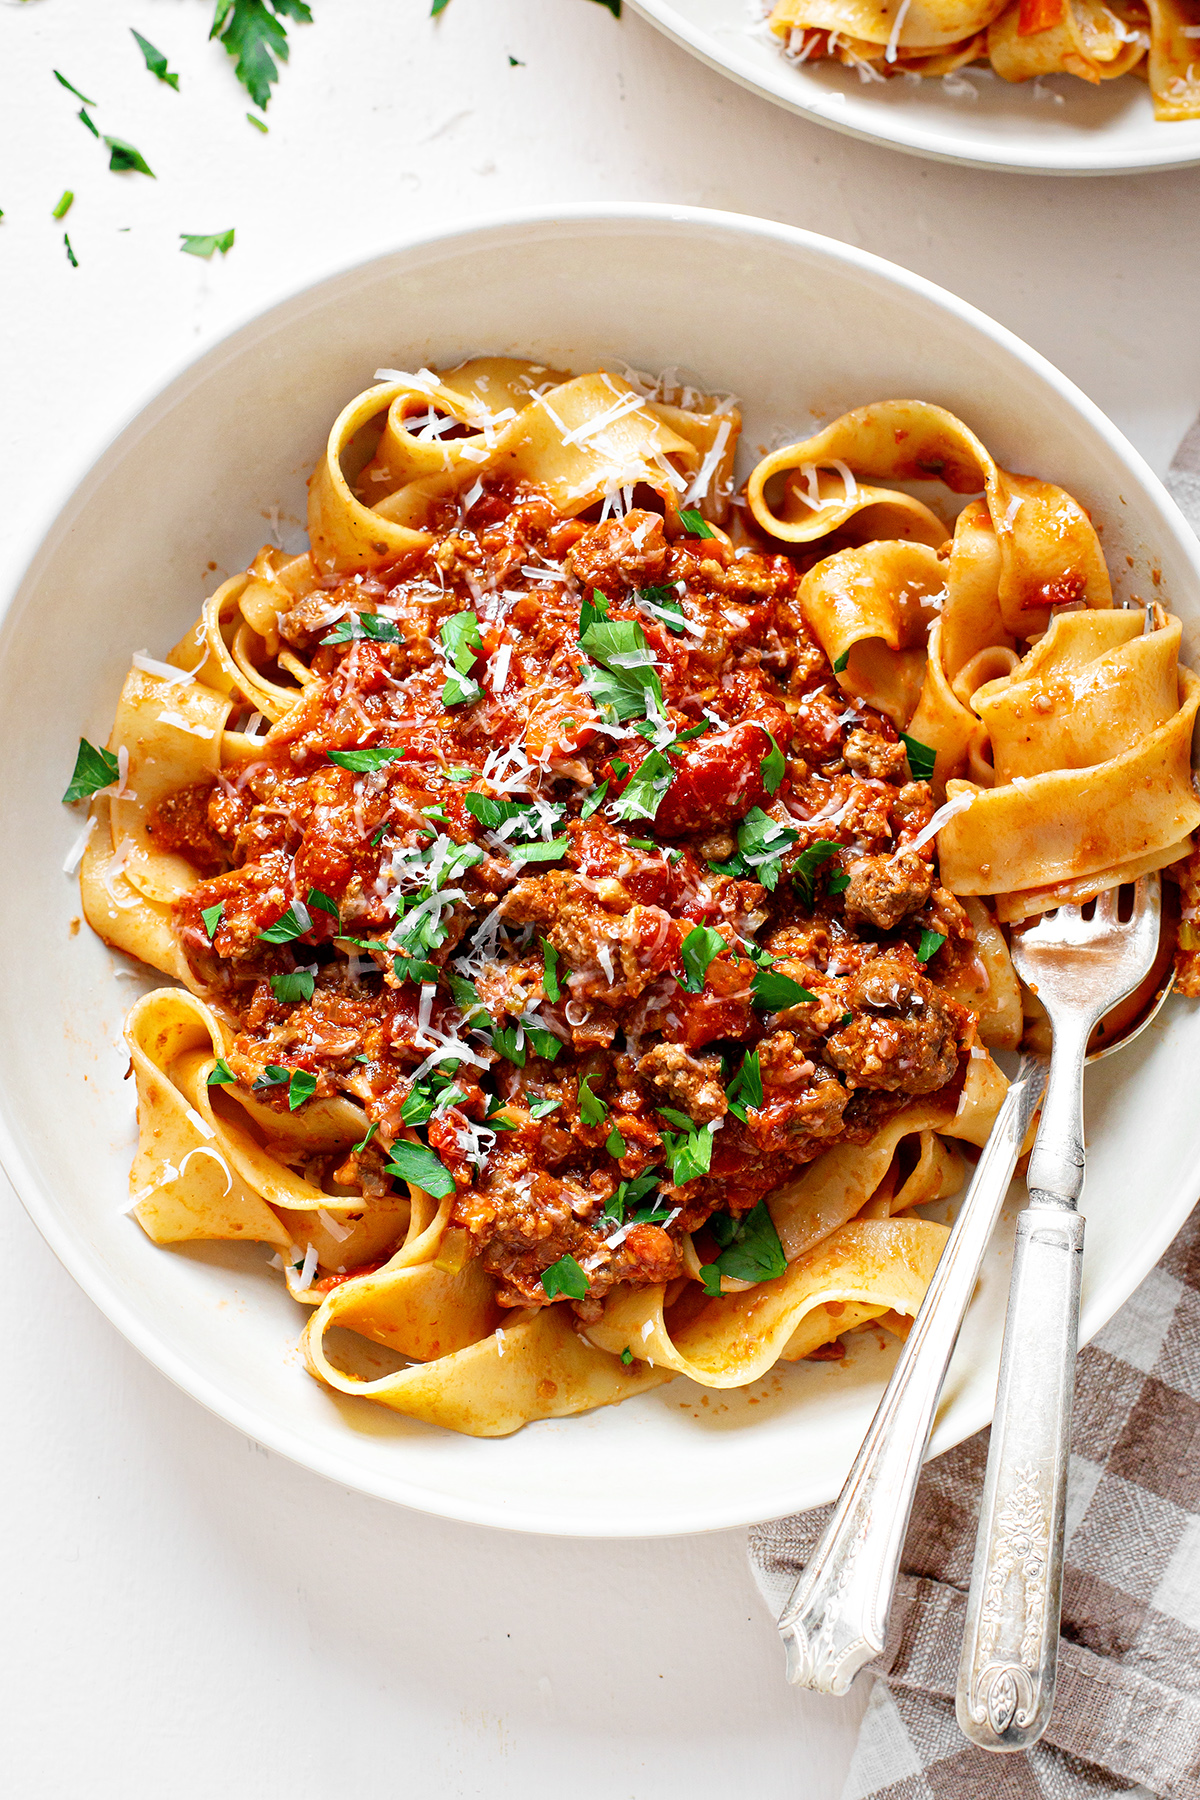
(836, 1619)
(1010, 1644)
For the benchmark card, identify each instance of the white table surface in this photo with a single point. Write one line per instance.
(185, 1614)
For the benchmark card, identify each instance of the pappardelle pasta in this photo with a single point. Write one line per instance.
(585, 884)
(1094, 40)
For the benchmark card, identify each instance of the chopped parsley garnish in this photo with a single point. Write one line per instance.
(746, 1088)
(565, 1277)
(460, 772)
(542, 1042)
(643, 794)
(750, 1249)
(463, 645)
(272, 1076)
(775, 992)
(221, 1075)
(643, 843)
(804, 873)
(921, 759)
(694, 525)
(592, 612)
(365, 762)
(71, 256)
(156, 62)
(205, 246)
(620, 769)
(64, 206)
(837, 884)
(289, 925)
(627, 673)
(773, 767)
(504, 1039)
(212, 916)
(663, 603)
(466, 996)
(412, 968)
(437, 1094)
(94, 769)
(931, 943)
(494, 813)
(416, 1163)
(380, 832)
(839, 667)
(699, 947)
(627, 1356)
(357, 1149)
(124, 157)
(614, 1143)
(762, 842)
(301, 1087)
(72, 89)
(254, 35)
(356, 626)
(298, 985)
(542, 1108)
(550, 985)
(322, 903)
(83, 115)
(628, 1194)
(258, 124)
(592, 1109)
(438, 6)
(688, 1150)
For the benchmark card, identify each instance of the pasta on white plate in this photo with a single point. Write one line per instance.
(585, 886)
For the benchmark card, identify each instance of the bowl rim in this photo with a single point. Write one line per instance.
(87, 1269)
(905, 132)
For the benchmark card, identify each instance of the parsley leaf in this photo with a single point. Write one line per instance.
(438, 6)
(627, 1356)
(466, 997)
(592, 1109)
(504, 1039)
(592, 612)
(357, 1149)
(72, 89)
(543, 1043)
(289, 925)
(629, 1193)
(614, 1143)
(463, 645)
(751, 1250)
(550, 986)
(272, 1076)
(663, 603)
(365, 762)
(221, 1074)
(66, 202)
(298, 985)
(699, 947)
(71, 256)
(921, 759)
(688, 1151)
(565, 1277)
(364, 625)
(301, 1087)
(644, 792)
(324, 904)
(123, 157)
(541, 1109)
(808, 862)
(254, 36)
(526, 853)
(775, 992)
(773, 767)
(205, 246)
(94, 769)
(416, 1163)
(746, 1088)
(761, 845)
(694, 525)
(839, 667)
(83, 115)
(931, 943)
(627, 672)
(212, 916)
(614, 7)
(156, 62)
(837, 884)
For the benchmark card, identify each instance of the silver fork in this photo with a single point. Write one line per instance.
(1078, 968)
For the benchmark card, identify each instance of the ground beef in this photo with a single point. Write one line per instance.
(885, 889)
(902, 1035)
(180, 825)
(869, 753)
(691, 1083)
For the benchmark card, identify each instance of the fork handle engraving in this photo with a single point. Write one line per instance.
(1010, 1644)
(836, 1619)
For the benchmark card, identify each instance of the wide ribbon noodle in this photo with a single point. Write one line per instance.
(1020, 39)
(1061, 730)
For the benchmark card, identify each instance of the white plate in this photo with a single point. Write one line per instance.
(1060, 126)
(795, 324)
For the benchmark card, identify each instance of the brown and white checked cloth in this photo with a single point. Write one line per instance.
(1127, 1714)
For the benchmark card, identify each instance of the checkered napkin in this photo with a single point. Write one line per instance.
(1127, 1714)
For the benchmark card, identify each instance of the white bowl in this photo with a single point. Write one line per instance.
(1060, 126)
(793, 323)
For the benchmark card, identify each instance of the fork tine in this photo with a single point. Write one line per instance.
(1106, 906)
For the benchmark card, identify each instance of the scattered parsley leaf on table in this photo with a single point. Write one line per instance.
(156, 62)
(71, 256)
(64, 205)
(72, 89)
(124, 156)
(258, 124)
(205, 246)
(254, 35)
